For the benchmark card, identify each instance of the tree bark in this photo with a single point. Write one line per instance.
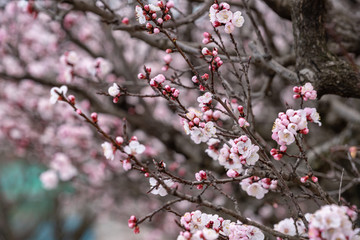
(314, 62)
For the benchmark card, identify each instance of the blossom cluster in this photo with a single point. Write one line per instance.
(200, 176)
(132, 223)
(241, 152)
(158, 189)
(332, 222)
(305, 92)
(60, 168)
(150, 12)
(202, 226)
(288, 125)
(220, 15)
(198, 129)
(256, 187)
(287, 226)
(157, 82)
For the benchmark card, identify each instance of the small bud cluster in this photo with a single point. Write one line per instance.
(220, 15)
(242, 121)
(150, 13)
(288, 125)
(207, 38)
(305, 92)
(215, 62)
(200, 176)
(167, 59)
(241, 153)
(305, 178)
(256, 187)
(132, 223)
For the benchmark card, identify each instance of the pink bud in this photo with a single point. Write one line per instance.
(296, 89)
(242, 122)
(206, 35)
(215, 6)
(314, 179)
(304, 179)
(176, 93)
(71, 99)
(205, 76)
(147, 175)
(125, 20)
(200, 186)
(296, 96)
(115, 100)
(170, 4)
(202, 88)
(119, 140)
(141, 76)
(137, 230)
(156, 30)
(78, 111)
(146, 7)
(240, 109)
(278, 156)
(94, 117)
(283, 148)
(167, 58)
(273, 151)
(304, 131)
(205, 41)
(194, 79)
(160, 20)
(232, 173)
(149, 26)
(148, 70)
(168, 51)
(196, 121)
(160, 4)
(202, 124)
(153, 16)
(167, 17)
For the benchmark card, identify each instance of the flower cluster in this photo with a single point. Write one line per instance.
(200, 176)
(242, 152)
(132, 223)
(305, 92)
(289, 124)
(198, 129)
(149, 12)
(60, 168)
(220, 15)
(157, 82)
(256, 187)
(207, 38)
(200, 225)
(244, 232)
(158, 189)
(287, 226)
(332, 222)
